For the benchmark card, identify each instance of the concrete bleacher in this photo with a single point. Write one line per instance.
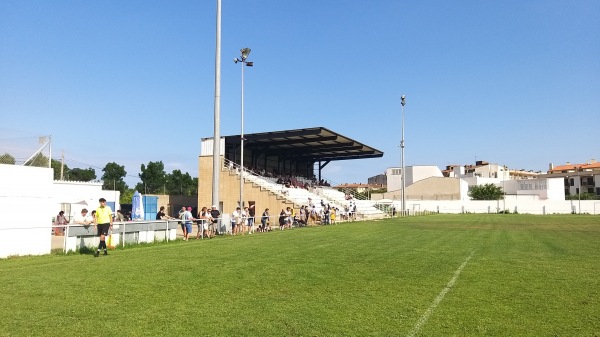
(365, 209)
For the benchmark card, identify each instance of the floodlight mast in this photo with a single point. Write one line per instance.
(245, 52)
(403, 176)
(217, 114)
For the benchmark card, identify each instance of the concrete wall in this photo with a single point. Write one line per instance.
(432, 188)
(27, 207)
(173, 203)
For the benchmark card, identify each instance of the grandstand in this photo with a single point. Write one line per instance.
(296, 155)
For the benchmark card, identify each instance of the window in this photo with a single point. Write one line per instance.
(572, 182)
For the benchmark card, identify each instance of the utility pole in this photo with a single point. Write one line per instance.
(62, 165)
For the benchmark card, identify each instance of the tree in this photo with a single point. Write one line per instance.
(180, 184)
(113, 178)
(38, 160)
(126, 196)
(583, 196)
(7, 159)
(486, 192)
(78, 174)
(153, 177)
(56, 165)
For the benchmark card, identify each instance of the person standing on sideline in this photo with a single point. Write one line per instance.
(215, 216)
(186, 223)
(236, 220)
(264, 220)
(61, 221)
(251, 215)
(104, 221)
(203, 218)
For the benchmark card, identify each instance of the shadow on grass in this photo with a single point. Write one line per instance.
(87, 251)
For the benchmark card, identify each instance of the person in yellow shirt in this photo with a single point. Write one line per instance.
(104, 221)
(332, 215)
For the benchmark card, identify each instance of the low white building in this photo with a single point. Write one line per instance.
(513, 182)
(30, 199)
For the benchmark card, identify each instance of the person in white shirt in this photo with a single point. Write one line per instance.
(83, 218)
(236, 220)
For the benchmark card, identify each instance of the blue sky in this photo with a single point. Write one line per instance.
(512, 82)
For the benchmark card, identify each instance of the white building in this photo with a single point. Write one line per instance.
(30, 198)
(514, 182)
(413, 174)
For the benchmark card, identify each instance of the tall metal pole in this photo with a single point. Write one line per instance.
(579, 183)
(244, 55)
(217, 112)
(403, 102)
(242, 145)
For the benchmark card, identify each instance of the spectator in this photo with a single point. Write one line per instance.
(244, 223)
(186, 223)
(161, 214)
(83, 218)
(60, 222)
(215, 217)
(119, 216)
(203, 219)
(282, 217)
(251, 215)
(332, 215)
(236, 219)
(264, 220)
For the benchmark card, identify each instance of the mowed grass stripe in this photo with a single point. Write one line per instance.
(374, 278)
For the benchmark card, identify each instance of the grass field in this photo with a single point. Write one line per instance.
(438, 275)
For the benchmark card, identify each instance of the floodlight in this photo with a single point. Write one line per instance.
(245, 52)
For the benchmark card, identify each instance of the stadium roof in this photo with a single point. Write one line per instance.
(318, 144)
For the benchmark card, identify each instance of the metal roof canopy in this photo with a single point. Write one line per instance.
(318, 144)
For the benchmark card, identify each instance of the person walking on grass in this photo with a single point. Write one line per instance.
(104, 221)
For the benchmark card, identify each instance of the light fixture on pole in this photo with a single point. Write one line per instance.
(403, 102)
(245, 52)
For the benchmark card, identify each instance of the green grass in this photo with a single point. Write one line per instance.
(528, 276)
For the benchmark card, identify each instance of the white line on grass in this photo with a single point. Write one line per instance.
(438, 299)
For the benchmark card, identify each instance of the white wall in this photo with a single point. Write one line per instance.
(207, 144)
(25, 202)
(523, 204)
(82, 195)
(394, 181)
(416, 173)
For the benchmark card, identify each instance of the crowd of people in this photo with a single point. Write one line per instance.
(243, 221)
(209, 222)
(289, 180)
